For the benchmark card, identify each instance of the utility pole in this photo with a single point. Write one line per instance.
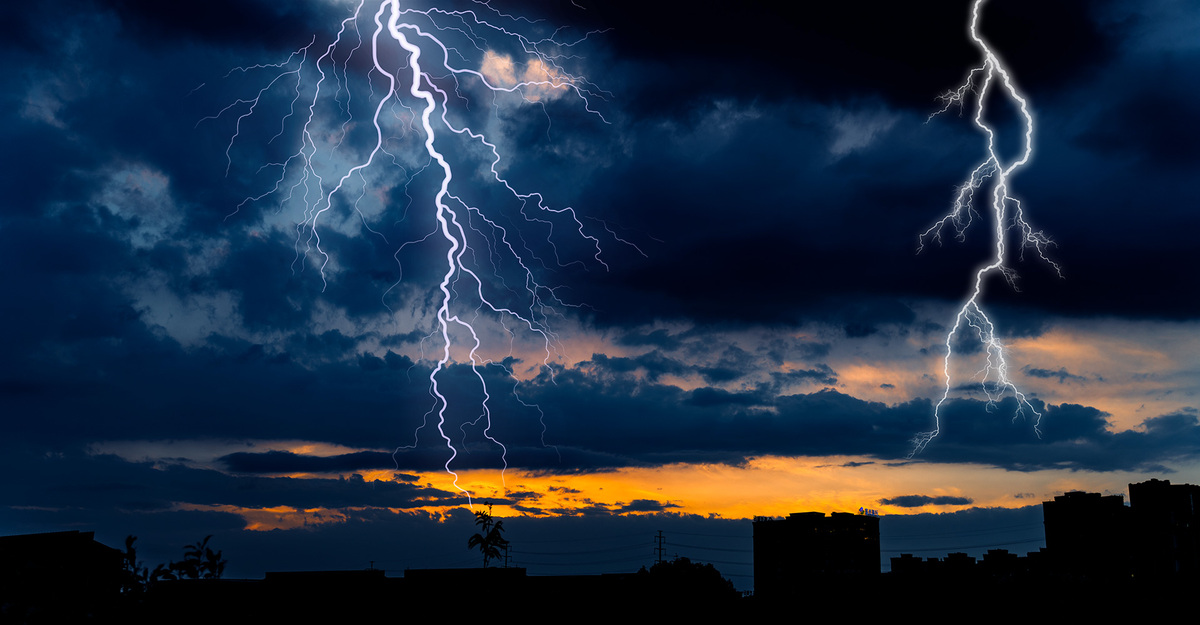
(660, 541)
(506, 555)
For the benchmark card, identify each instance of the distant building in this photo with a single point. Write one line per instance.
(808, 546)
(1167, 518)
(907, 564)
(1001, 564)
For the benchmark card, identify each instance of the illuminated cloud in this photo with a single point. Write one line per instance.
(534, 79)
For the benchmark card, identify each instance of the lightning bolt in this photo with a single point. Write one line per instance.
(422, 61)
(1007, 216)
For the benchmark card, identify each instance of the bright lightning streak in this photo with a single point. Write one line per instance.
(421, 57)
(1007, 215)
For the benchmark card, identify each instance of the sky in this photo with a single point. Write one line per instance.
(692, 263)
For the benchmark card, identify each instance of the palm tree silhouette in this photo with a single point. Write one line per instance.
(199, 562)
(489, 539)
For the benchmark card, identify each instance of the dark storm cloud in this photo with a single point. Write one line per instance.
(153, 391)
(557, 459)
(1074, 437)
(74, 480)
(718, 375)
(814, 350)
(916, 501)
(66, 267)
(225, 22)
(716, 425)
(806, 252)
(846, 55)
(144, 388)
(658, 338)
(736, 364)
(46, 170)
(654, 364)
(843, 50)
(1150, 123)
(288, 462)
(822, 374)
(773, 268)
(707, 397)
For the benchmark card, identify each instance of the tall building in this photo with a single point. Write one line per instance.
(808, 546)
(1088, 535)
(1167, 518)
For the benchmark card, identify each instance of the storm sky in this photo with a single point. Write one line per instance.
(740, 322)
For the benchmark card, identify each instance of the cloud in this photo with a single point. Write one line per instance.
(917, 501)
(660, 338)
(288, 462)
(104, 483)
(644, 505)
(1062, 374)
(855, 130)
(537, 81)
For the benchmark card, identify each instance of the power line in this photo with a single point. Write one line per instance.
(707, 561)
(713, 548)
(587, 552)
(576, 540)
(714, 535)
(577, 563)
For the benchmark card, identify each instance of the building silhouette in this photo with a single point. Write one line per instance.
(1167, 524)
(1089, 535)
(57, 576)
(808, 547)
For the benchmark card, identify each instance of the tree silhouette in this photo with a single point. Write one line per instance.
(489, 539)
(699, 582)
(134, 576)
(199, 562)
